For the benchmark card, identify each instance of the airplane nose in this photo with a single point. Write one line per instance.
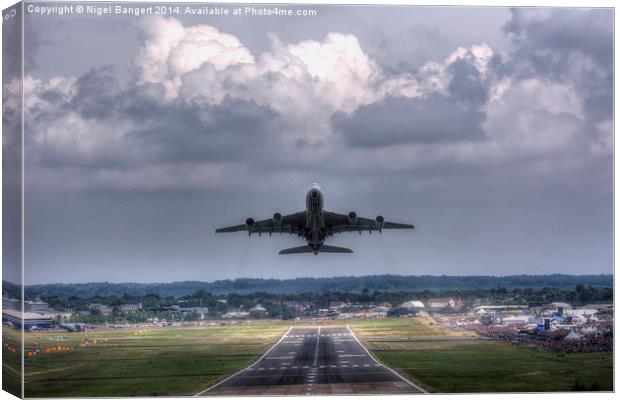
(315, 194)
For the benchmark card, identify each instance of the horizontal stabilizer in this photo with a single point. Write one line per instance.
(296, 250)
(334, 249)
(308, 249)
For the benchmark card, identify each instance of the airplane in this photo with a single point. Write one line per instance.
(314, 224)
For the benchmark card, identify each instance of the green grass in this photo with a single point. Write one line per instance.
(11, 362)
(150, 362)
(457, 363)
(187, 360)
(11, 373)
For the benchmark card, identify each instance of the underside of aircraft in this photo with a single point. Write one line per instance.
(315, 224)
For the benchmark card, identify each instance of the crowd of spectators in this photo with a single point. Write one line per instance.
(554, 340)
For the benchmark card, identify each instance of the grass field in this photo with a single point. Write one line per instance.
(448, 362)
(185, 360)
(11, 361)
(143, 363)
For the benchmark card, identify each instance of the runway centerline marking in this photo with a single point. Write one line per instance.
(312, 372)
(293, 367)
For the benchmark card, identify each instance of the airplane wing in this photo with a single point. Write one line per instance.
(337, 223)
(292, 223)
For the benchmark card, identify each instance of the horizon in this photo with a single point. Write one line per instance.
(304, 277)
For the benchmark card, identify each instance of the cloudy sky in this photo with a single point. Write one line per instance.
(490, 129)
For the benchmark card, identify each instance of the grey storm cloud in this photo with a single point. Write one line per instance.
(156, 131)
(401, 120)
(561, 32)
(97, 93)
(572, 45)
(198, 131)
(467, 83)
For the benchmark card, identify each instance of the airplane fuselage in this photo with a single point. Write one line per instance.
(315, 225)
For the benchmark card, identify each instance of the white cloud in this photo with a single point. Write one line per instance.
(169, 51)
(159, 37)
(480, 56)
(306, 84)
(343, 75)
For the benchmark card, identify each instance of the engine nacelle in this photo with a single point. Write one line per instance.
(352, 217)
(380, 221)
(249, 223)
(277, 219)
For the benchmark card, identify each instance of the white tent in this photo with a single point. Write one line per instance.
(572, 335)
(412, 304)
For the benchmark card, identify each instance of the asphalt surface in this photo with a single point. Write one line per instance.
(316, 360)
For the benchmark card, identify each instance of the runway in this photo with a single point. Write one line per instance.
(315, 360)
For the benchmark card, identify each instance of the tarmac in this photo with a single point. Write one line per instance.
(315, 360)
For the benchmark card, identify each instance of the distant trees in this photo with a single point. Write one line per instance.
(129, 292)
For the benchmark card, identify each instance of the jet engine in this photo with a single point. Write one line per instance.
(277, 219)
(352, 217)
(249, 223)
(380, 221)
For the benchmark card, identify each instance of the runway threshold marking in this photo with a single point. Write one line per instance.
(378, 363)
(248, 367)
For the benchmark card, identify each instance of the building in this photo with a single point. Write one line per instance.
(336, 305)
(129, 308)
(35, 306)
(585, 312)
(437, 304)
(30, 320)
(500, 309)
(202, 312)
(516, 320)
(298, 306)
(236, 314)
(258, 312)
(442, 303)
(58, 316)
(100, 309)
(11, 304)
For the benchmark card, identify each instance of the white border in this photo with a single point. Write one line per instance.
(484, 3)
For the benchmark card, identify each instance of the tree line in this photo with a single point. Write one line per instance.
(345, 284)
